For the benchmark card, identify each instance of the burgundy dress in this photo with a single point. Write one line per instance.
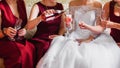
(44, 30)
(16, 54)
(115, 33)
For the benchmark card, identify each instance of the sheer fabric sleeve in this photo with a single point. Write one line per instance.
(98, 16)
(98, 20)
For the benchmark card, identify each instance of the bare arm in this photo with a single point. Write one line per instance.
(110, 24)
(33, 19)
(90, 38)
(98, 28)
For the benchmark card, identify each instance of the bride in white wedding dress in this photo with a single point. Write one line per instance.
(80, 49)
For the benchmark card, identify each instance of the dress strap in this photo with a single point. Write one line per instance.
(41, 7)
(111, 7)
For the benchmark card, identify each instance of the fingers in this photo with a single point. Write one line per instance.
(22, 32)
(104, 23)
(82, 25)
(49, 12)
(52, 36)
(11, 32)
(79, 40)
(110, 25)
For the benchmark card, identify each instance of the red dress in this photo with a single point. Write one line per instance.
(44, 30)
(115, 33)
(16, 54)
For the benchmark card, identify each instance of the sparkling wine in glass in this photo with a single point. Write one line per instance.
(68, 23)
(17, 27)
(18, 24)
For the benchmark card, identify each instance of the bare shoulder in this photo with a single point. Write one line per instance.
(72, 3)
(35, 6)
(107, 4)
(97, 4)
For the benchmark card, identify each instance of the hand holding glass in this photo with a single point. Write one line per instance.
(68, 23)
(17, 27)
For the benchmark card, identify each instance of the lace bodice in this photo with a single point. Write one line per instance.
(87, 14)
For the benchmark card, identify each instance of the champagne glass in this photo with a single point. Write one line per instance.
(18, 24)
(17, 27)
(68, 23)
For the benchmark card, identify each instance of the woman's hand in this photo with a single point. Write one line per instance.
(110, 24)
(118, 44)
(22, 32)
(11, 32)
(83, 25)
(49, 12)
(46, 14)
(84, 40)
(53, 36)
(89, 39)
(104, 23)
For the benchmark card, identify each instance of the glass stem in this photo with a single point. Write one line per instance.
(67, 33)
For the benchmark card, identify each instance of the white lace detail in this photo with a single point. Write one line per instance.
(87, 14)
(85, 8)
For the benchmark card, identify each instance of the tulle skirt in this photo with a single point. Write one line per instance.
(102, 52)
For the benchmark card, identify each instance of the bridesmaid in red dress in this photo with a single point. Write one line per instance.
(16, 53)
(112, 12)
(46, 30)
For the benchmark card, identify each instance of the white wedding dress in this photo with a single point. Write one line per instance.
(65, 52)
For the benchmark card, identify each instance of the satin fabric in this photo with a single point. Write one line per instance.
(41, 39)
(16, 54)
